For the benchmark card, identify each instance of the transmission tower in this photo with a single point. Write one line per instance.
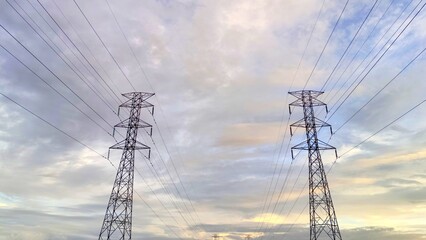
(215, 237)
(117, 223)
(323, 221)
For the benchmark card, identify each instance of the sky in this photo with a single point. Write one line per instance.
(221, 72)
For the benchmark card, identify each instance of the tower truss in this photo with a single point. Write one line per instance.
(117, 222)
(323, 221)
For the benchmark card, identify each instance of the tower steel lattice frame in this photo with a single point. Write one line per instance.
(323, 221)
(117, 222)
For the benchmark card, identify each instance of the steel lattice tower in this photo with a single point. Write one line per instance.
(117, 223)
(323, 221)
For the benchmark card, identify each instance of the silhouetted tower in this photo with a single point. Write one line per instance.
(323, 221)
(215, 237)
(117, 223)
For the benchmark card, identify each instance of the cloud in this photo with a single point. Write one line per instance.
(221, 72)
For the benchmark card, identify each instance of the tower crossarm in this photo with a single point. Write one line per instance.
(302, 124)
(139, 124)
(320, 145)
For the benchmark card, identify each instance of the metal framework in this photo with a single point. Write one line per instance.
(117, 222)
(323, 221)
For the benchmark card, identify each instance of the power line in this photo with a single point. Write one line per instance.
(175, 169)
(369, 137)
(161, 180)
(65, 99)
(326, 44)
(71, 40)
(367, 55)
(149, 83)
(54, 89)
(170, 176)
(357, 145)
(132, 86)
(55, 127)
(381, 90)
(78, 49)
(350, 43)
(359, 49)
(385, 45)
(61, 37)
(260, 225)
(297, 218)
(276, 184)
(319, 58)
(378, 131)
(292, 188)
(387, 49)
(174, 233)
(162, 183)
(56, 52)
(86, 146)
(52, 124)
(169, 193)
(54, 74)
(272, 180)
(154, 193)
(156, 196)
(306, 46)
(291, 191)
(285, 184)
(103, 44)
(130, 46)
